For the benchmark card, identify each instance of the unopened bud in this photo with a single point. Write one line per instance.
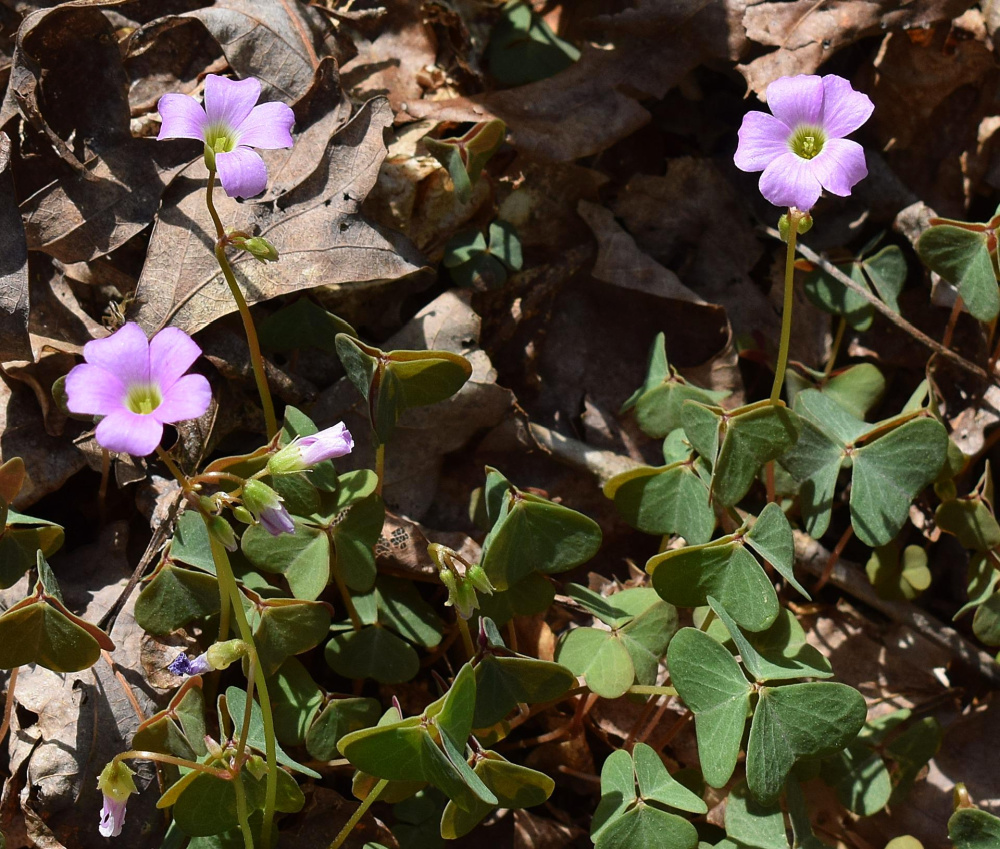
(804, 226)
(258, 247)
(221, 655)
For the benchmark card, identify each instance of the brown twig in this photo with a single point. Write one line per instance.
(949, 331)
(838, 549)
(8, 708)
(885, 309)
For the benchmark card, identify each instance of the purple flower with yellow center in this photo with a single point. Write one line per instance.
(137, 386)
(116, 783)
(230, 125)
(801, 147)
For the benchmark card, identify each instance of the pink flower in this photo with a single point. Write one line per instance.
(137, 386)
(230, 125)
(267, 508)
(304, 452)
(801, 147)
(117, 784)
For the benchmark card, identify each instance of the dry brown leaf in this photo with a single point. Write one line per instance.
(322, 239)
(14, 344)
(808, 32)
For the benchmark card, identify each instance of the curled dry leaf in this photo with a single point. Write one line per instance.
(316, 228)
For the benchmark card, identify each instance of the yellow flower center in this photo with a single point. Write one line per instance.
(143, 398)
(807, 142)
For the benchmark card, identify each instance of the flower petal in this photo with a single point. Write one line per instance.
(124, 353)
(129, 433)
(182, 118)
(268, 126)
(94, 391)
(171, 353)
(188, 398)
(277, 521)
(796, 100)
(242, 172)
(844, 109)
(763, 138)
(840, 166)
(789, 181)
(228, 102)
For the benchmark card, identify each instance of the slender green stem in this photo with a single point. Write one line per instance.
(380, 466)
(463, 628)
(248, 712)
(838, 338)
(135, 754)
(241, 812)
(794, 217)
(651, 690)
(358, 814)
(253, 343)
(228, 580)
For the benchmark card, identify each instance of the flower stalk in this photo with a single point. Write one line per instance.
(795, 217)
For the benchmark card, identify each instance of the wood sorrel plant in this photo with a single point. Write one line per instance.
(275, 553)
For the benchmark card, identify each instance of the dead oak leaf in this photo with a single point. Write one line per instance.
(808, 32)
(317, 229)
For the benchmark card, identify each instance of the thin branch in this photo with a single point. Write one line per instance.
(885, 309)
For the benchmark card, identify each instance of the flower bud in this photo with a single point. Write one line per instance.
(221, 655)
(804, 226)
(267, 508)
(116, 783)
(223, 532)
(258, 247)
(477, 575)
(257, 766)
(304, 452)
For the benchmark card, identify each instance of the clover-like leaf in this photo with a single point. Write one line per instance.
(178, 729)
(671, 499)
(970, 828)
(964, 255)
(751, 824)
(710, 682)
(174, 596)
(738, 442)
(465, 156)
(372, 652)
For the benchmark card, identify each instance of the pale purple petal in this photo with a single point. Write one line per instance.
(112, 817)
(276, 521)
(335, 441)
(228, 102)
(844, 109)
(791, 181)
(763, 138)
(840, 166)
(182, 118)
(242, 172)
(187, 399)
(171, 353)
(124, 353)
(268, 126)
(93, 391)
(181, 665)
(129, 433)
(796, 100)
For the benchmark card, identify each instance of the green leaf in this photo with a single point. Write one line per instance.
(338, 718)
(671, 499)
(178, 729)
(463, 247)
(236, 704)
(753, 825)
(646, 825)
(658, 785)
(502, 683)
(402, 608)
(295, 699)
(887, 272)
(786, 654)
(647, 635)
(531, 534)
(303, 557)
(861, 779)
(600, 657)
(971, 520)
(771, 538)
(394, 381)
(372, 652)
(524, 49)
(985, 623)
(712, 685)
(963, 257)
(911, 751)
(748, 437)
(173, 597)
(22, 539)
(896, 577)
(834, 297)
(467, 155)
(856, 389)
(795, 722)
(302, 324)
(288, 626)
(723, 568)
(190, 543)
(531, 595)
(889, 472)
(970, 828)
(657, 403)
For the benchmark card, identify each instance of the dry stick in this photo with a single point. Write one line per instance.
(9, 706)
(809, 554)
(885, 309)
(838, 549)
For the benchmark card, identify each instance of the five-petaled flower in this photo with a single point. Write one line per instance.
(304, 452)
(230, 125)
(801, 147)
(137, 385)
